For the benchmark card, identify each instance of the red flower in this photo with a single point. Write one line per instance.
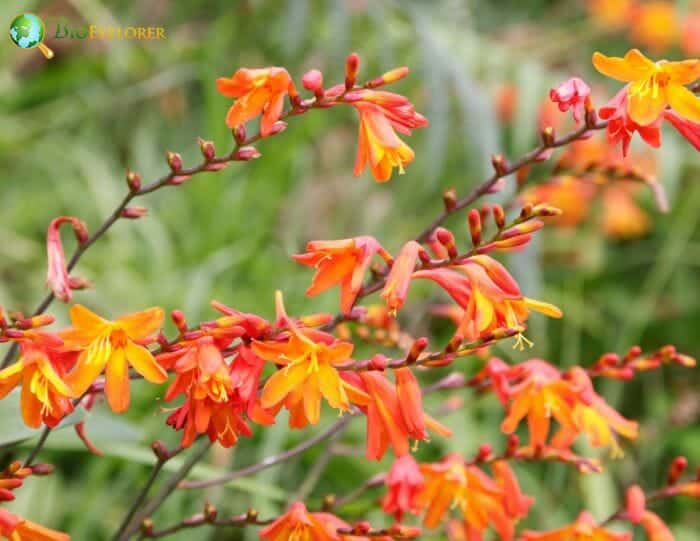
(621, 127)
(573, 93)
(57, 277)
(299, 524)
(404, 481)
(584, 529)
(687, 128)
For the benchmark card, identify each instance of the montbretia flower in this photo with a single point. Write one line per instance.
(571, 94)
(298, 524)
(653, 85)
(404, 481)
(400, 275)
(489, 295)
(308, 372)
(621, 126)
(220, 420)
(14, 528)
(482, 501)
(517, 504)
(539, 393)
(382, 114)
(257, 91)
(342, 262)
(655, 528)
(584, 529)
(392, 419)
(57, 277)
(112, 346)
(45, 397)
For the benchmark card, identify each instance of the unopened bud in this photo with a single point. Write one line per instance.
(352, 65)
(417, 348)
(449, 199)
(447, 239)
(245, 154)
(239, 134)
(133, 180)
(388, 78)
(147, 527)
(174, 161)
(499, 165)
(252, 515)
(134, 213)
(207, 149)
(547, 137)
(210, 512)
(277, 128)
(591, 118)
(485, 452)
(42, 469)
(474, 221)
(328, 502)
(635, 504)
(546, 211)
(313, 81)
(6, 495)
(499, 216)
(378, 362)
(160, 450)
(512, 445)
(678, 466)
(41, 320)
(179, 320)
(526, 211)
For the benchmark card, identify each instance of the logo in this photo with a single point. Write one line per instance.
(27, 31)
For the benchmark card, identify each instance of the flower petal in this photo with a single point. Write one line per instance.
(86, 319)
(117, 382)
(281, 383)
(632, 67)
(144, 363)
(142, 324)
(683, 102)
(684, 72)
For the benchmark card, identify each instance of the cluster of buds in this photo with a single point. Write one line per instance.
(13, 476)
(612, 366)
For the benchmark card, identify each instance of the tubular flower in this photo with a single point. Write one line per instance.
(258, 91)
(573, 93)
(517, 504)
(655, 528)
(298, 524)
(653, 85)
(112, 346)
(584, 529)
(382, 114)
(489, 295)
(220, 421)
(689, 130)
(399, 279)
(452, 483)
(621, 127)
(343, 262)
(538, 393)
(57, 277)
(404, 482)
(14, 528)
(309, 373)
(46, 397)
(593, 416)
(391, 420)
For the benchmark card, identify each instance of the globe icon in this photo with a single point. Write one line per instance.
(27, 32)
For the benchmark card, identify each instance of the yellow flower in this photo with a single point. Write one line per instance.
(653, 85)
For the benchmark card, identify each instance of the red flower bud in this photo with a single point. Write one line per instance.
(352, 65)
(474, 220)
(133, 213)
(245, 154)
(313, 81)
(678, 466)
(133, 180)
(207, 149)
(174, 161)
(635, 504)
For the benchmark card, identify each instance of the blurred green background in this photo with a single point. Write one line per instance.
(69, 129)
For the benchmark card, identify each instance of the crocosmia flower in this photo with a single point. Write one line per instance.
(14, 528)
(404, 482)
(258, 91)
(298, 524)
(584, 529)
(382, 114)
(653, 85)
(308, 372)
(112, 346)
(41, 369)
(571, 94)
(621, 126)
(340, 262)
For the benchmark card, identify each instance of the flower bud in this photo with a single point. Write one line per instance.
(6, 495)
(147, 527)
(389, 77)
(546, 211)
(42, 469)
(239, 134)
(635, 504)
(312, 80)
(547, 137)
(499, 216)
(207, 149)
(160, 450)
(352, 65)
(34, 322)
(245, 154)
(133, 180)
(449, 199)
(499, 165)
(174, 161)
(179, 320)
(526, 211)
(447, 239)
(474, 220)
(278, 127)
(134, 213)
(210, 512)
(678, 466)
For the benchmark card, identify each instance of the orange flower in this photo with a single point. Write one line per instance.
(393, 417)
(489, 295)
(399, 279)
(14, 528)
(654, 85)
(654, 25)
(112, 346)
(690, 38)
(655, 528)
(258, 91)
(611, 14)
(341, 262)
(622, 217)
(380, 114)
(45, 395)
(309, 373)
(539, 395)
(584, 529)
(481, 500)
(298, 524)
(404, 482)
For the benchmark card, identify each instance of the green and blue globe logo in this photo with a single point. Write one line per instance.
(27, 31)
